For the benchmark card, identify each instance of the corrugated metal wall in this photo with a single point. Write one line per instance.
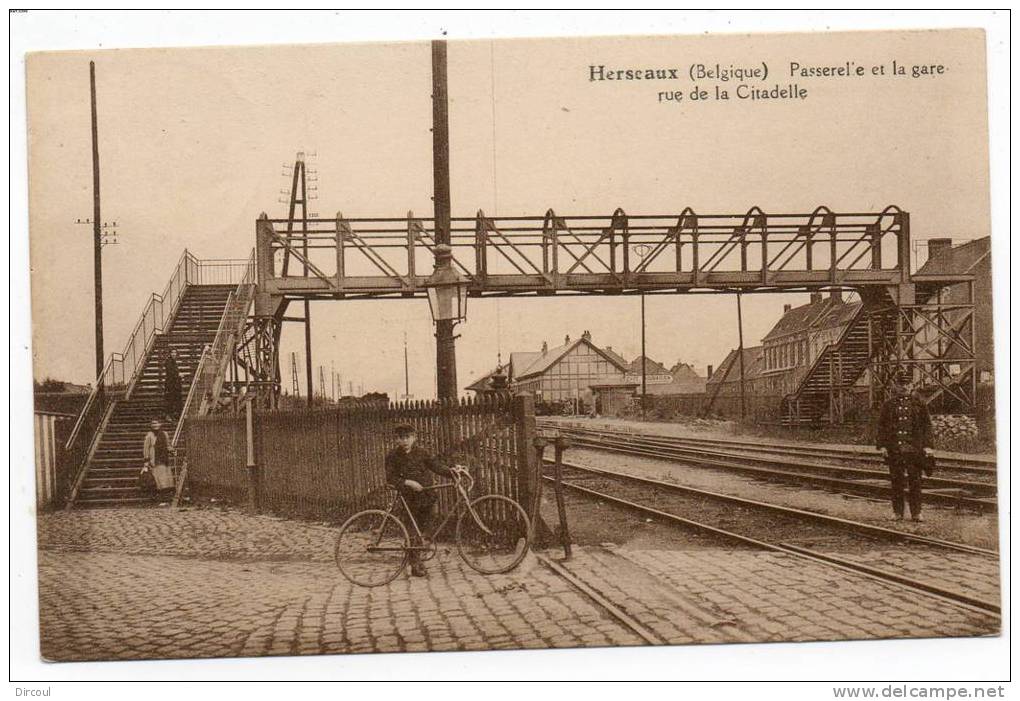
(51, 464)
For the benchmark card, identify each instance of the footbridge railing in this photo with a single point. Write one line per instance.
(210, 374)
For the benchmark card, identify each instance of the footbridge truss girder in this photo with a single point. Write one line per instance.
(618, 253)
(587, 254)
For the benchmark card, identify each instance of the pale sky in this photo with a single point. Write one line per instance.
(192, 142)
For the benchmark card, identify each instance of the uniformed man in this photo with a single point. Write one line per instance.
(904, 435)
(172, 386)
(409, 470)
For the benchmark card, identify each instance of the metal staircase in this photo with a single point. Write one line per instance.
(189, 317)
(824, 391)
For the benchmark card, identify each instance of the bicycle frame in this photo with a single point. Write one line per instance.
(463, 501)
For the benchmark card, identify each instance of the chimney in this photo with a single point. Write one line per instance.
(710, 368)
(566, 339)
(787, 308)
(545, 347)
(836, 295)
(816, 297)
(936, 246)
(586, 335)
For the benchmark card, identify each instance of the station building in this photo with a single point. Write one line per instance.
(580, 371)
(563, 372)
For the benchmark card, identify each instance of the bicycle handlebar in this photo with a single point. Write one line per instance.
(459, 473)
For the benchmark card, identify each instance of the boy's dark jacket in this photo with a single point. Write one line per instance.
(416, 464)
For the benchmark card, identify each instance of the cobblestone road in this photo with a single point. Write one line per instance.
(748, 596)
(127, 584)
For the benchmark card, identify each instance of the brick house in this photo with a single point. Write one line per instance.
(787, 352)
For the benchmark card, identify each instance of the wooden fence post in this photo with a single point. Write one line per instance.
(528, 469)
(250, 465)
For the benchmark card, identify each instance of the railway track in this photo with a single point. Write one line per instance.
(834, 542)
(973, 488)
(977, 464)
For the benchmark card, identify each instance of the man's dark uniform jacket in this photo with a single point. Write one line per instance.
(171, 377)
(904, 426)
(415, 464)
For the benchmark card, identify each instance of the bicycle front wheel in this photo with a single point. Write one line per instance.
(493, 534)
(372, 548)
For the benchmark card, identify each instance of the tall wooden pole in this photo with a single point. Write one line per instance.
(644, 360)
(97, 239)
(446, 352)
(304, 251)
(740, 351)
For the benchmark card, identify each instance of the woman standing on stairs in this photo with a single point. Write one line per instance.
(156, 451)
(171, 386)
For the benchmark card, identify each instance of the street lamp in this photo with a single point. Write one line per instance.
(447, 291)
(447, 288)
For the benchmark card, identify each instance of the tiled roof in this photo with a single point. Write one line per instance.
(821, 314)
(520, 361)
(837, 315)
(537, 363)
(540, 362)
(614, 356)
(753, 366)
(684, 371)
(482, 383)
(651, 367)
(799, 318)
(958, 259)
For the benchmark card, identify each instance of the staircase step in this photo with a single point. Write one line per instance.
(113, 503)
(112, 472)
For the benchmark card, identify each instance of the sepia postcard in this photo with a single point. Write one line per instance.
(476, 345)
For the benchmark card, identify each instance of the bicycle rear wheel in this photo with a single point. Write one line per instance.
(371, 549)
(493, 534)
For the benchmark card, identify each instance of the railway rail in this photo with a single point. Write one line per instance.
(972, 487)
(845, 544)
(979, 464)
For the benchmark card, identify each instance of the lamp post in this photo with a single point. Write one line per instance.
(447, 291)
(642, 250)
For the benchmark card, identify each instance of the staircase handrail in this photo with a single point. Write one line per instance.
(98, 405)
(94, 394)
(234, 314)
(158, 310)
(191, 396)
(158, 313)
(829, 348)
(217, 356)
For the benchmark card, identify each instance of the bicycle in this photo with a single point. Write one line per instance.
(493, 535)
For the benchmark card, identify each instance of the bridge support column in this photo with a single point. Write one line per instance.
(266, 380)
(259, 351)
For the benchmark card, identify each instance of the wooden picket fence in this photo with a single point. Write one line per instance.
(328, 463)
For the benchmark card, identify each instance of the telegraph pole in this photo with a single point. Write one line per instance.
(740, 350)
(299, 196)
(97, 235)
(446, 351)
(644, 360)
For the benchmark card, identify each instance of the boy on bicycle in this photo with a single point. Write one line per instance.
(409, 470)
